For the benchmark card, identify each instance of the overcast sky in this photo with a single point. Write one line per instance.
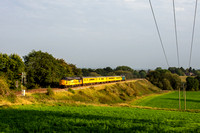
(100, 33)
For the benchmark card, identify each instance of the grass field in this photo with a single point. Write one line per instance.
(171, 100)
(41, 118)
(95, 110)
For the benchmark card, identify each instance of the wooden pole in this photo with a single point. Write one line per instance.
(184, 95)
(179, 98)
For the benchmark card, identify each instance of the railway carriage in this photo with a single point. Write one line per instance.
(71, 81)
(80, 81)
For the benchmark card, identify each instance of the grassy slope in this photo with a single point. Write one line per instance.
(105, 94)
(35, 118)
(110, 94)
(171, 100)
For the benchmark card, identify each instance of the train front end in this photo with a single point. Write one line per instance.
(63, 83)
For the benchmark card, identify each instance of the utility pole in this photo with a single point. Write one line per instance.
(184, 95)
(179, 98)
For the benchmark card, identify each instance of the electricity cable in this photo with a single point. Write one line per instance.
(159, 33)
(192, 41)
(176, 35)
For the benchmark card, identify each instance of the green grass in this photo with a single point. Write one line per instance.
(62, 116)
(38, 118)
(171, 100)
(111, 93)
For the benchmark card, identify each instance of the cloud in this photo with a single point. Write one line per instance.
(180, 9)
(129, 0)
(90, 22)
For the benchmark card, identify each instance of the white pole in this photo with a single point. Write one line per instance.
(23, 92)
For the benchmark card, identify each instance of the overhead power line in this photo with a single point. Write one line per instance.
(159, 33)
(192, 41)
(176, 35)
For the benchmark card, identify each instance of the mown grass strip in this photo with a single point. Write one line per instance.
(170, 101)
(146, 98)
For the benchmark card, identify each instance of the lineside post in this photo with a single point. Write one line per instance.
(184, 95)
(179, 98)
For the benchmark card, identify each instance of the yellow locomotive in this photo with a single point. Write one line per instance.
(80, 81)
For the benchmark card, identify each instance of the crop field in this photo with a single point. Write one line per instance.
(61, 118)
(171, 100)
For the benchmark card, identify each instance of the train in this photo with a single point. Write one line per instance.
(81, 81)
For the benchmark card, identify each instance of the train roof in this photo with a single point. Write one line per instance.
(71, 78)
(101, 76)
(79, 78)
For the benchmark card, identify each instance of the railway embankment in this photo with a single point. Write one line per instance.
(103, 94)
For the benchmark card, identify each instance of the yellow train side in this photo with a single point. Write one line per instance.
(77, 81)
(70, 82)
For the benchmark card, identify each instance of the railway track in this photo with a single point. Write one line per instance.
(44, 90)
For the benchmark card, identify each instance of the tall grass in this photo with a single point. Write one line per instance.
(115, 93)
(50, 92)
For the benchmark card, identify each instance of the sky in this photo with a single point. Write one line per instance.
(101, 33)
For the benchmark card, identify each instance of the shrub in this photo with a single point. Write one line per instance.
(92, 88)
(50, 92)
(105, 99)
(137, 93)
(192, 84)
(72, 91)
(12, 97)
(4, 89)
(37, 86)
(123, 96)
(130, 92)
(164, 79)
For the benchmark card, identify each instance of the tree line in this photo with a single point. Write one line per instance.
(11, 66)
(193, 79)
(120, 70)
(170, 79)
(44, 70)
(184, 72)
(164, 79)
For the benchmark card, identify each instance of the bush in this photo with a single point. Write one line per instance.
(12, 97)
(72, 91)
(50, 92)
(105, 99)
(36, 86)
(192, 84)
(164, 79)
(4, 89)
